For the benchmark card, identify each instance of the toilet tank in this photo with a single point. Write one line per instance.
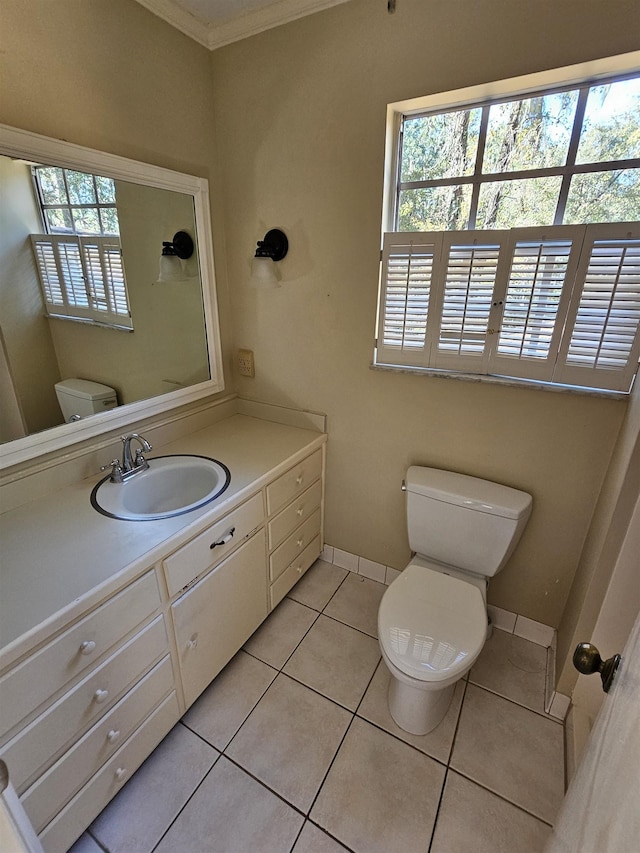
(463, 521)
(79, 398)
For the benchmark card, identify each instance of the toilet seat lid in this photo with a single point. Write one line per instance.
(432, 626)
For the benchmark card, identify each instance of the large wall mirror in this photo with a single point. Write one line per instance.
(166, 350)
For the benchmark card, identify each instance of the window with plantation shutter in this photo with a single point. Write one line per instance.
(82, 278)
(557, 304)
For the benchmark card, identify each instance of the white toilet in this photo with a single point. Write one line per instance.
(79, 398)
(432, 621)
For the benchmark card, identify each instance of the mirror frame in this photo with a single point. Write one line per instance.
(23, 144)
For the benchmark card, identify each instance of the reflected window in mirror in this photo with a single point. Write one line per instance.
(79, 259)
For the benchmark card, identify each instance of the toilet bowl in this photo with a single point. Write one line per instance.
(431, 628)
(432, 620)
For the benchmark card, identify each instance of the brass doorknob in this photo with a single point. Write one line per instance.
(587, 660)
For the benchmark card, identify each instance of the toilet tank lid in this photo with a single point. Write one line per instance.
(85, 388)
(469, 492)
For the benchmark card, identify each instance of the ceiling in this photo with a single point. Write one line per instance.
(214, 23)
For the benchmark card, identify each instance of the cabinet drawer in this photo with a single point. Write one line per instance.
(44, 799)
(294, 572)
(63, 830)
(294, 482)
(31, 683)
(73, 712)
(294, 545)
(215, 617)
(213, 545)
(287, 520)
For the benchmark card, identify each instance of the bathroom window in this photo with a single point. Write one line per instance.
(513, 247)
(79, 259)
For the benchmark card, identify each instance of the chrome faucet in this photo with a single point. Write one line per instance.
(130, 465)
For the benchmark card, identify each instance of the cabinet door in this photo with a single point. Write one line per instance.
(215, 617)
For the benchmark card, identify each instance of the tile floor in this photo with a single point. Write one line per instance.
(292, 748)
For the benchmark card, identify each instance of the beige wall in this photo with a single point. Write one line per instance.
(300, 117)
(29, 349)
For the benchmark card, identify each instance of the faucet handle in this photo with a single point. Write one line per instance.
(116, 470)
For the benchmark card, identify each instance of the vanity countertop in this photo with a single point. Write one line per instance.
(60, 556)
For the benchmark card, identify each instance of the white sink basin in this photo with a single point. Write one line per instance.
(171, 485)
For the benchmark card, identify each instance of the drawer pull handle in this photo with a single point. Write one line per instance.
(121, 773)
(100, 695)
(299, 569)
(193, 642)
(299, 511)
(299, 479)
(227, 538)
(113, 735)
(87, 647)
(300, 543)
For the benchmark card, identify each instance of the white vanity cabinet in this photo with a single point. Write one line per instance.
(81, 699)
(83, 706)
(294, 506)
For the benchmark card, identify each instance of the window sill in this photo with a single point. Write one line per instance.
(507, 381)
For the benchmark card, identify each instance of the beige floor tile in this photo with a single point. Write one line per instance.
(510, 750)
(314, 840)
(473, 820)
(143, 810)
(335, 660)
(356, 603)
(514, 668)
(281, 632)
(375, 708)
(229, 699)
(381, 795)
(317, 585)
(232, 813)
(290, 739)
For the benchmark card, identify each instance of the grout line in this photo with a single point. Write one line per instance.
(331, 763)
(97, 841)
(188, 800)
(500, 796)
(326, 832)
(435, 820)
(542, 714)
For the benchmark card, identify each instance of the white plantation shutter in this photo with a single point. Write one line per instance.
(557, 304)
(533, 305)
(83, 278)
(466, 282)
(602, 341)
(407, 269)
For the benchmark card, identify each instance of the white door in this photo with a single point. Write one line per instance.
(601, 811)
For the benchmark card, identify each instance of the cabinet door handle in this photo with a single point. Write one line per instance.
(226, 538)
(121, 773)
(100, 695)
(193, 642)
(87, 647)
(113, 735)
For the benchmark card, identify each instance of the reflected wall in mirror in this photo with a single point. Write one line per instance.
(172, 353)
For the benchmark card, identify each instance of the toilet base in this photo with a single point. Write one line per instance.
(416, 710)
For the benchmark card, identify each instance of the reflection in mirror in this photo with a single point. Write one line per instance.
(158, 348)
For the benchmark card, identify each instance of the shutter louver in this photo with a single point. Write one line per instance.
(603, 341)
(407, 271)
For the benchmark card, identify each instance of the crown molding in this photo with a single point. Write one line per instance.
(213, 36)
